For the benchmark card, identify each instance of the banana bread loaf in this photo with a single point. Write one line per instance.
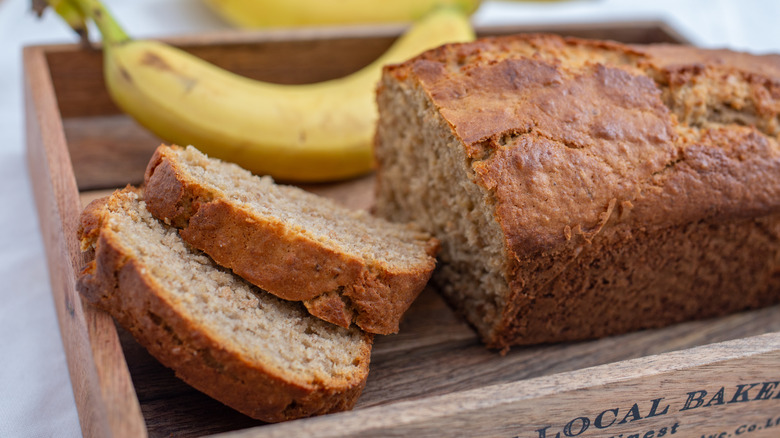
(346, 266)
(582, 188)
(263, 356)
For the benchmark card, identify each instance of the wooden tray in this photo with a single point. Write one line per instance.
(717, 377)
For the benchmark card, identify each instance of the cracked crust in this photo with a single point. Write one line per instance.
(129, 288)
(336, 283)
(570, 153)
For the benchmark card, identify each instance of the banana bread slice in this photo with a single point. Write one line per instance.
(260, 355)
(346, 266)
(585, 188)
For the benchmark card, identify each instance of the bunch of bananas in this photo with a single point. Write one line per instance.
(287, 13)
(304, 133)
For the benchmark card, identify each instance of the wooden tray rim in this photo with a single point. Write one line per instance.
(227, 37)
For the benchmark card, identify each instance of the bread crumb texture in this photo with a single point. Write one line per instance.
(264, 356)
(346, 265)
(320, 219)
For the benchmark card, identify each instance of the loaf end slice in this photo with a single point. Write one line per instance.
(260, 355)
(345, 266)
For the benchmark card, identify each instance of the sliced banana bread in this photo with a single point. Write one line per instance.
(346, 266)
(585, 188)
(263, 356)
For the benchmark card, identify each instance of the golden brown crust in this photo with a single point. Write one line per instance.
(266, 253)
(640, 279)
(592, 150)
(117, 283)
(675, 55)
(602, 129)
(273, 256)
(89, 224)
(331, 307)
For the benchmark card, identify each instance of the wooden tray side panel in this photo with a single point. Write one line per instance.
(103, 390)
(721, 390)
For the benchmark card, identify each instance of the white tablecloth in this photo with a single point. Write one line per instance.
(36, 398)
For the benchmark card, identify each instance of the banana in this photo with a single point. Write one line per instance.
(303, 133)
(286, 13)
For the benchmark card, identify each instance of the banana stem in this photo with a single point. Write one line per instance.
(110, 30)
(69, 12)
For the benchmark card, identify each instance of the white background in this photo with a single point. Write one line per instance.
(35, 395)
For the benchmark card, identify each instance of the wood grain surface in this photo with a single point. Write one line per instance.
(99, 376)
(434, 378)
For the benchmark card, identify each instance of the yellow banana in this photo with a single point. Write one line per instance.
(287, 13)
(310, 132)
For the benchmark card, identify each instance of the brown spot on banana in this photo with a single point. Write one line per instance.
(152, 60)
(125, 74)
